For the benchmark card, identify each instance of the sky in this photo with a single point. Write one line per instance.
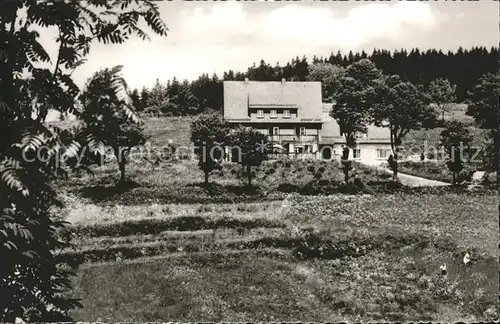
(213, 37)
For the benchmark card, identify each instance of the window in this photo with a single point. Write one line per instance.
(356, 153)
(260, 113)
(276, 130)
(383, 153)
(286, 113)
(302, 131)
(274, 114)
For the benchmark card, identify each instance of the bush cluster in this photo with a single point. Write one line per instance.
(320, 186)
(156, 226)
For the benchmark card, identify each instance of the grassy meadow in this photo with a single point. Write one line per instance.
(166, 248)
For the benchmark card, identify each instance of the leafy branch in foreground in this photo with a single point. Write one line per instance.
(33, 278)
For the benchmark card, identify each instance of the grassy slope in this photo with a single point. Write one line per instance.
(406, 239)
(244, 268)
(163, 129)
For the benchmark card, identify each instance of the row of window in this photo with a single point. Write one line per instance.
(273, 114)
(301, 131)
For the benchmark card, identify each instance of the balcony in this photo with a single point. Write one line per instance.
(293, 138)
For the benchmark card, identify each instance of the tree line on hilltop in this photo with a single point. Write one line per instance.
(462, 68)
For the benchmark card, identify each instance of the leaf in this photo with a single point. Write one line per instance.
(71, 150)
(10, 245)
(78, 64)
(29, 254)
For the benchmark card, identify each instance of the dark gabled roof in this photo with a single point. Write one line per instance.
(240, 95)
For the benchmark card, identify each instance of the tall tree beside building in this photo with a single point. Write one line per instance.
(401, 106)
(353, 99)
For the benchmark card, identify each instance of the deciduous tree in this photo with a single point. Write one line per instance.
(455, 138)
(401, 106)
(329, 75)
(253, 148)
(136, 100)
(209, 133)
(109, 117)
(482, 101)
(442, 93)
(353, 99)
(483, 105)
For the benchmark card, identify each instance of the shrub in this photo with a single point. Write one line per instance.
(320, 187)
(385, 186)
(356, 186)
(288, 187)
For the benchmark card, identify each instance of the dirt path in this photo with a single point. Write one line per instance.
(414, 181)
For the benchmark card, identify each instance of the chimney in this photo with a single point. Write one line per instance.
(246, 80)
(283, 80)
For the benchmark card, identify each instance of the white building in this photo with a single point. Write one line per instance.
(297, 122)
(372, 148)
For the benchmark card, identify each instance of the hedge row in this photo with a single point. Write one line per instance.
(156, 226)
(327, 187)
(181, 194)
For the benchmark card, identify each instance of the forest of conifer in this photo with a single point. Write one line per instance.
(462, 68)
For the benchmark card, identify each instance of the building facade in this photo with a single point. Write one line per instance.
(296, 121)
(372, 147)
